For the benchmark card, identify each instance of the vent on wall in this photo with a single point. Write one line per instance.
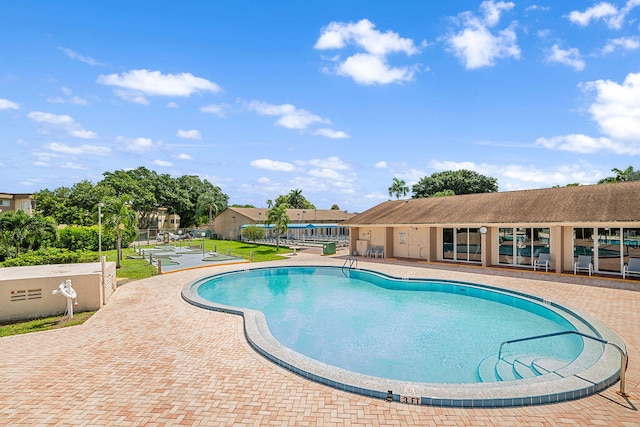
(26, 294)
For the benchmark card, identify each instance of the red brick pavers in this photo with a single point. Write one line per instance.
(149, 358)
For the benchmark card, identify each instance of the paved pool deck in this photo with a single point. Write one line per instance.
(150, 358)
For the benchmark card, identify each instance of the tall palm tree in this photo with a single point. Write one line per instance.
(398, 188)
(295, 199)
(209, 201)
(280, 220)
(269, 203)
(120, 218)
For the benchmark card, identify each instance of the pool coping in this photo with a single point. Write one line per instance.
(593, 371)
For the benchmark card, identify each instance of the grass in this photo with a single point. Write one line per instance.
(44, 324)
(136, 269)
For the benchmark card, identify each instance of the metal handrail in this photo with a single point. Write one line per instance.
(623, 356)
(351, 261)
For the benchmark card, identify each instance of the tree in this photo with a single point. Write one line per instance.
(269, 203)
(628, 174)
(212, 201)
(460, 182)
(398, 188)
(280, 220)
(295, 200)
(335, 207)
(20, 231)
(443, 193)
(121, 220)
(253, 232)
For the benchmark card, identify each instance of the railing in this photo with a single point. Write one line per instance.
(623, 356)
(350, 261)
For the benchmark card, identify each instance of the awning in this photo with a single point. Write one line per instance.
(295, 226)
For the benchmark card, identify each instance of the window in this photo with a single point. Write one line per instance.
(5, 202)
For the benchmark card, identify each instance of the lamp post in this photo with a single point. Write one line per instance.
(202, 234)
(100, 206)
(179, 239)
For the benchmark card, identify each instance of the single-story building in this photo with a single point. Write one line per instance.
(509, 228)
(228, 224)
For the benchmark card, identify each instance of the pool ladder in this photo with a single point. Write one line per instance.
(624, 360)
(349, 263)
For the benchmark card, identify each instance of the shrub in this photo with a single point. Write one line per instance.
(76, 238)
(51, 256)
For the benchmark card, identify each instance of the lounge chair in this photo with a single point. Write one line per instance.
(633, 267)
(379, 251)
(583, 264)
(543, 260)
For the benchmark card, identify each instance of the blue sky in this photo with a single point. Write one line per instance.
(331, 97)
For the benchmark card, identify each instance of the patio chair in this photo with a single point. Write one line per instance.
(583, 264)
(369, 251)
(633, 267)
(543, 260)
(379, 251)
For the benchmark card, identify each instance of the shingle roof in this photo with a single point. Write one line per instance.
(580, 204)
(310, 215)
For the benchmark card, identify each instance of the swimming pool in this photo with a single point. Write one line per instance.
(369, 333)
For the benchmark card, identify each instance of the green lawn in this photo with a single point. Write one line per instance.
(53, 322)
(136, 269)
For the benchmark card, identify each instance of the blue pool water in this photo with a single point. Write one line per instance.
(423, 331)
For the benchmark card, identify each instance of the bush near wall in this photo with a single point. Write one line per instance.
(76, 238)
(51, 256)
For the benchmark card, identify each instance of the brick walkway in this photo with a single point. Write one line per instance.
(149, 358)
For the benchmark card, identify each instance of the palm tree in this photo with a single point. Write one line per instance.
(269, 203)
(209, 201)
(280, 220)
(120, 218)
(296, 200)
(398, 188)
(627, 174)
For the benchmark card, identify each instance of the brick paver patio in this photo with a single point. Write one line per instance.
(150, 358)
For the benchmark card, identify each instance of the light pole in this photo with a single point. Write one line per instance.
(100, 206)
(202, 234)
(179, 240)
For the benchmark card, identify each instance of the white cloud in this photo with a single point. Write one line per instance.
(617, 109)
(537, 7)
(332, 162)
(162, 163)
(290, 116)
(135, 144)
(76, 56)
(172, 105)
(272, 165)
(609, 13)
(183, 156)
(5, 104)
(370, 67)
(330, 133)
(476, 45)
(136, 84)
(367, 69)
(63, 122)
(570, 57)
(79, 150)
(579, 143)
(626, 43)
(189, 134)
(381, 164)
(215, 109)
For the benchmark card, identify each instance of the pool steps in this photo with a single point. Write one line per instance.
(516, 367)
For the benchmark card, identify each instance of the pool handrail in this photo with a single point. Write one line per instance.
(623, 356)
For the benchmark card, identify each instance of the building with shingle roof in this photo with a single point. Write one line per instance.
(509, 228)
(229, 222)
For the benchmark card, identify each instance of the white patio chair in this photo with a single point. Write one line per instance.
(543, 260)
(583, 264)
(633, 267)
